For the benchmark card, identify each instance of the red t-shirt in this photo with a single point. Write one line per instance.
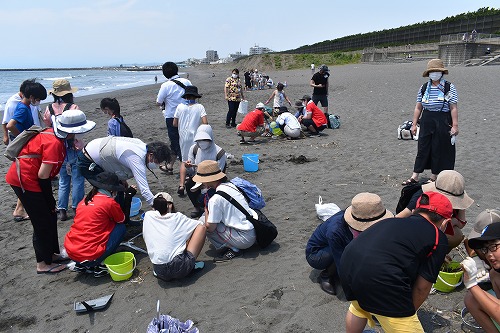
(52, 151)
(251, 121)
(88, 235)
(317, 115)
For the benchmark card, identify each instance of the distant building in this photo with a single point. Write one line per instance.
(236, 55)
(211, 56)
(259, 50)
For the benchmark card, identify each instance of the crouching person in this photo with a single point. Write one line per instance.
(98, 227)
(173, 240)
(228, 229)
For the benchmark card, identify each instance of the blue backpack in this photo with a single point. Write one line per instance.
(250, 191)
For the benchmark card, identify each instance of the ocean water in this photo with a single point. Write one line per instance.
(88, 81)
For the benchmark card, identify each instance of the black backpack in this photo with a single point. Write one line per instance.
(406, 194)
(446, 87)
(124, 129)
(66, 108)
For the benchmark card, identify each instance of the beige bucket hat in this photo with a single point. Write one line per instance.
(62, 87)
(365, 209)
(208, 171)
(451, 184)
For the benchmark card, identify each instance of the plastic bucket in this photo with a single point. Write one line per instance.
(120, 265)
(135, 207)
(250, 162)
(447, 282)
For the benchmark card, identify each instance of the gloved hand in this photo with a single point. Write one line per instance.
(470, 272)
(482, 273)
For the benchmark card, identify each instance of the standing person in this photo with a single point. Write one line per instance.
(248, 80)
(228, 229)
(314, 119)
(156, 79)
(187, 118)
(438, 113)
(169, 96)
(69, 176)
(484, 305)
(10, 107)
(233, 92)
(35, 192)
(98, 227)
(116, 123)
(22, 119)
(172, 239)
(319, 82)
(388, 270)
(126, 157)
(279, 97)
(327, 243)
(203, 149)
(312, 68)
(8, 113)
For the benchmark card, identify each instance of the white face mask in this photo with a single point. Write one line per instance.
(152, 165)
(234, 76)
(203, 144)
(435, 76)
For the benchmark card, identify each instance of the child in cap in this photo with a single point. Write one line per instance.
(484, 305)
(172, 239)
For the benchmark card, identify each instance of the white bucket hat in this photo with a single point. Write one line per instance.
(71, 122)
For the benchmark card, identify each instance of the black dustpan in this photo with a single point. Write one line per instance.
(93, 304)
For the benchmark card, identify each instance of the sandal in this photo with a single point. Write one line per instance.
(266, 134)
(409, 181)
(227, 255)
(180, 191)
(167, 170)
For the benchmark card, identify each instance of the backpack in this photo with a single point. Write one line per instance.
(446, 91)
(250, 191)
(404, 131)
(124, 129)
(407, 193)
(333, 121)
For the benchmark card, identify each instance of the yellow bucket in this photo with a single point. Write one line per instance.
(120, 265)
(447, 282)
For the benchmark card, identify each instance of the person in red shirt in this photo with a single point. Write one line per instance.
(253, 124)
(45, 153)
(98, 226)
(314, 119)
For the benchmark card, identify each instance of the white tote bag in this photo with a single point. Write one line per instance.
(243, 108)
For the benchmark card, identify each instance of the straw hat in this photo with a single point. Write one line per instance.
(485, 218)
(451, 184)
(435, 65)
(365, 209)
(107, 181)
(165, 196)
(208, 171)
(71, 122)
(62, 87)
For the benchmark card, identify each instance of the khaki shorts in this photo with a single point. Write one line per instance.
(389, 324)
(259, 131)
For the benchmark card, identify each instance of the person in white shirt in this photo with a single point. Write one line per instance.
(228, 229)
(172, 239)
(288, 123)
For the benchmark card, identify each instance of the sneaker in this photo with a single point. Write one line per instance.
(227, 126)
(227, 255)
(100, 271)
(63, 216)
(79, 268)
(314, 135)
(243, 142)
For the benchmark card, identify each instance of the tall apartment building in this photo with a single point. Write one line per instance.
(212, 56)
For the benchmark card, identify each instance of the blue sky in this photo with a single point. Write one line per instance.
(69, 33)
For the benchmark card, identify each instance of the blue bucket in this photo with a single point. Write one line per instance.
(135, 207)
(250, 162)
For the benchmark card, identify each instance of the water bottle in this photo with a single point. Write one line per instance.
(453, 139)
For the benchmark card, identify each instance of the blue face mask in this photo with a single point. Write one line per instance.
(190, 101)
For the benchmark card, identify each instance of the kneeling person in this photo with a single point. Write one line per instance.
(172, 239)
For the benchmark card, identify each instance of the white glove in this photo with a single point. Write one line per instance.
(482, 273)
(470, 270)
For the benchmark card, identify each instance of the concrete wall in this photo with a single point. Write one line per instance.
(457, 53)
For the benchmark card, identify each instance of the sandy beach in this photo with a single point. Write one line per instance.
(271, 290)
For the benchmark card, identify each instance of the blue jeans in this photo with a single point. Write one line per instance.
(115, 238)
(78, 187)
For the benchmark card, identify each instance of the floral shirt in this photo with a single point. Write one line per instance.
(233, 88)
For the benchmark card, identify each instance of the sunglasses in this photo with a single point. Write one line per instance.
(492, 248)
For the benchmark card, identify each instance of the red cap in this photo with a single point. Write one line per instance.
(438, 204)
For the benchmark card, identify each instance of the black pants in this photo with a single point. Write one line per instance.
(195, 197)
(44, 222)
(231, 114)
(435, 151)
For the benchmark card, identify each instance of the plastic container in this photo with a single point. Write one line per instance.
(135, 207)
(250, 162)
(447, 282)
(120, 265)
(243, 107)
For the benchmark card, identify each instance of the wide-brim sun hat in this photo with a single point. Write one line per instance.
(208, 171)
(62, 87)
(107, 181)
(485, 218)
(451, 184)
(191, 91)
(71, 122)
(435, 65)
(165, 196)
(365, 210)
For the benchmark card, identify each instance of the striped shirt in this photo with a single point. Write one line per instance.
(435, 102)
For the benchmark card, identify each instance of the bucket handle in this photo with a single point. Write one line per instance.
(256, 162)
(449, 284)
(123, 274)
